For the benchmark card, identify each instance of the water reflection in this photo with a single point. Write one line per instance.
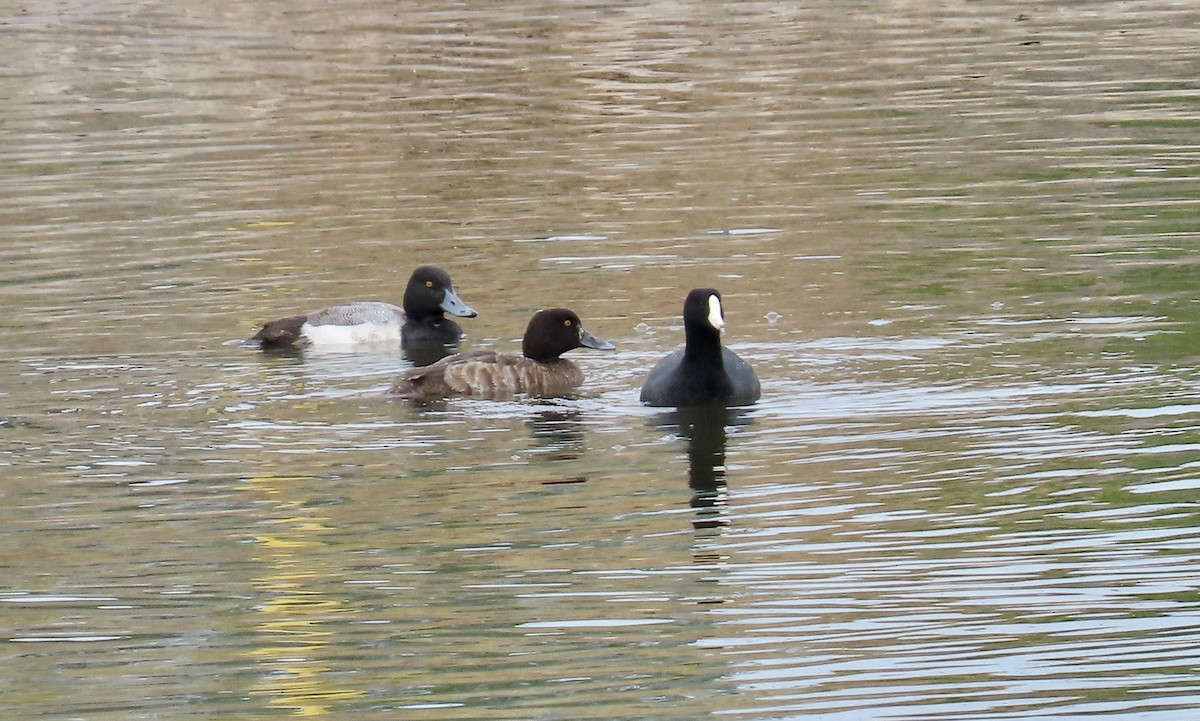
(558, 433)
(423, 354)
(415, 353)
(295, 618)
(317, 373)
(704, 429)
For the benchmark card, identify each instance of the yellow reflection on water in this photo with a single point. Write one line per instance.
(293, 617)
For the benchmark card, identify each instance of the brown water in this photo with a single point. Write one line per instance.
(957, 240)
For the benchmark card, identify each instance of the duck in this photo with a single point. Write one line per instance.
(702, 372)
(539, 371)
(428, 296)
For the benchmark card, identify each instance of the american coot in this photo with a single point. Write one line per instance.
(427, 298)
(487, 374)
(702, 372)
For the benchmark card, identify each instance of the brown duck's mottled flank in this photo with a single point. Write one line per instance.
(488, 374)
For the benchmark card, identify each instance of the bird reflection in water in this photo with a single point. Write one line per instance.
(557, 433)
(425, 354)
(704, 429)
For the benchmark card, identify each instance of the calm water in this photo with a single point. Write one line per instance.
(957, 240)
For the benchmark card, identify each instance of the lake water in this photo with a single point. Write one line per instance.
(958, 241)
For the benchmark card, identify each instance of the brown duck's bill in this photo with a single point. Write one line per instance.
(590, 341)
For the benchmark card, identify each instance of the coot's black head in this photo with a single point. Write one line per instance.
(555, 331)
(429, 294)
(703, 319)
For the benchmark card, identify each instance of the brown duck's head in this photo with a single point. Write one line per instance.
(555, 331)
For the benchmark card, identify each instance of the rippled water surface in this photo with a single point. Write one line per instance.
(958, 241)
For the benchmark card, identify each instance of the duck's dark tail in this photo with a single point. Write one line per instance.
(279, 334)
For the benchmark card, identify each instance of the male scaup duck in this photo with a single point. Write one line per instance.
(702, 372)
(427, 298)
(538, 372)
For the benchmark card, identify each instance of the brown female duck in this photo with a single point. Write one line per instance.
(539, 371)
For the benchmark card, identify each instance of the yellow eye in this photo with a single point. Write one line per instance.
(567, 322)
(429, 284)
